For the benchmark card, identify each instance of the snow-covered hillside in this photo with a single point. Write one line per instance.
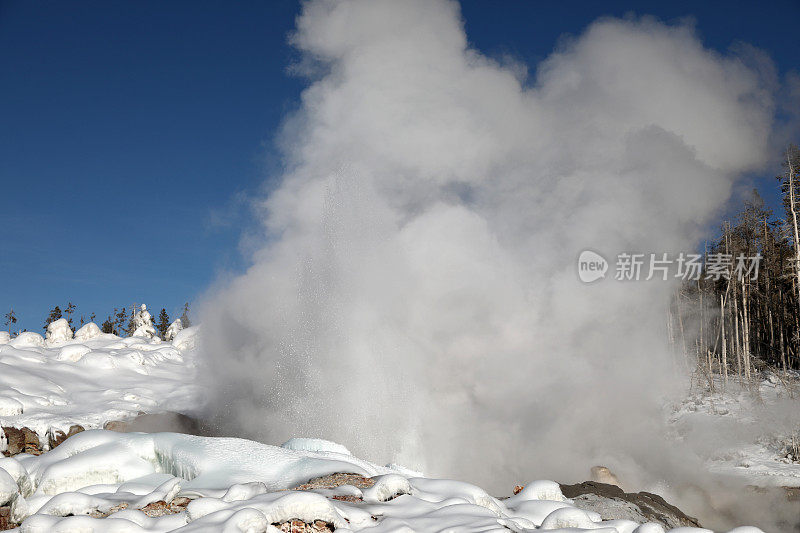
(90, 377)
(749, 433)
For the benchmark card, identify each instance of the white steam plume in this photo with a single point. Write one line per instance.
(417, 296)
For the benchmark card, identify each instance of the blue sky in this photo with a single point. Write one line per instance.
(128, 128)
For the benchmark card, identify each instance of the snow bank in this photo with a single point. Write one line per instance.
(92, 378)
(185, 339)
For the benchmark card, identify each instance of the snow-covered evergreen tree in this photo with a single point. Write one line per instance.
(143, 324)
(173, 330)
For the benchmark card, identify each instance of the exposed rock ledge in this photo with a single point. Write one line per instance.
(614, 503)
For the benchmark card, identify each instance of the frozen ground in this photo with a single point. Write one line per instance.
(746, 432)
(92, 378)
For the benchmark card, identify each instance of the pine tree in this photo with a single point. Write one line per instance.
(163, 322)
(185, 316)
(68, 311)
(108, 324)
(131, 325)
(11, 319)
(54, 315)
(121, 323)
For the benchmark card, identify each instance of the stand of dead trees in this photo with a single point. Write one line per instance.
(734, 327)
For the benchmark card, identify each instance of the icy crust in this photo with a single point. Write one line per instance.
(239, 485)
(92, 377)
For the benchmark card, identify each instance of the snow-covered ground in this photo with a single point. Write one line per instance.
(91, 378)
(239, 485)
(746, 433)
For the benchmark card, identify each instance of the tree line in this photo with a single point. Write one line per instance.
(733, 326)
(120, 322)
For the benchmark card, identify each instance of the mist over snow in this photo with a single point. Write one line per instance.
(416, 298)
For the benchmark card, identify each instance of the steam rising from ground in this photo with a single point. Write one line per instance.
(417, 297)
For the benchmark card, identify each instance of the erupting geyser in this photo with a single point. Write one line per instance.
(416, 297)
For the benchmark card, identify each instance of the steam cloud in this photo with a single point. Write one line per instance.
(416, 298)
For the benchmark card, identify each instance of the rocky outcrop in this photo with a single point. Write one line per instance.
(23, 440)
(57, 436)
(612, 503)
(160, 422)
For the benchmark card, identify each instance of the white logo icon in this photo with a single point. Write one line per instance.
(591, 266)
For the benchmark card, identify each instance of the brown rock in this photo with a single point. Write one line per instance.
(116, 425)
(56, 437)
(298, 526)
(337, 480)
(16, 441)
(518, 489)
(32, 444)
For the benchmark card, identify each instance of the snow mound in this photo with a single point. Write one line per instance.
(58, 331)
(5, 337)
(8, 488)
(185, 339)
(173, 329)
(88, 332)
(27, 339)
(314, 445)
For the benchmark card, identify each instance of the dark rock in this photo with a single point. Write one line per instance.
(159, 422)
(614, 503)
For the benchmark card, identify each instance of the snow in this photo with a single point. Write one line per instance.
(88, 332)
(185, 339)
(143, 324)
(10, 406)
(240, 485)
(756, 424)
(58, 331)
(314, 445)
(8, 488)
(27, 339)
(173, 329)
(92, 378)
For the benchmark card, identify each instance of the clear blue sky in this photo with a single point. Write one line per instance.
(126, 127)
